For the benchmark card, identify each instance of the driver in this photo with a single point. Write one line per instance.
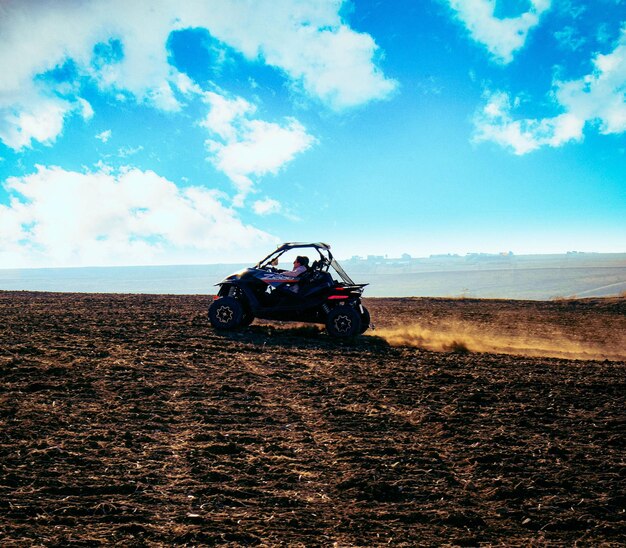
(300, 266)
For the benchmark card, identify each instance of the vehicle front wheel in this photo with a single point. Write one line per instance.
(343, 321)
(225, 313)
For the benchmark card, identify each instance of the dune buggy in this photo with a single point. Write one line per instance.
(323, 294)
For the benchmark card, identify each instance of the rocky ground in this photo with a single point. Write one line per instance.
(127, 419)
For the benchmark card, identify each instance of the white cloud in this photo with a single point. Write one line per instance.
(334, 65)
(568, 38)
(495, 123)
(66, 218)
(86, 110)
(243, 147)
(186, 85)
(601, 95)
(143, 71)
(307, 40)
(502, 37)
(40, 120)
(304, 39)
(571, 8)
(125, 152)
(267, 206)
(224, 113)
(598, 98)
(104, 136)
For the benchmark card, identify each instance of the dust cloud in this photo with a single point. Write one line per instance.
(462, 336)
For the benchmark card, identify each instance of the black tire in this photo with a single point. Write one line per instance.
(343, 321)
(365, 320)
(225, 313)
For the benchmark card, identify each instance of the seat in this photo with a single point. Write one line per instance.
(313, 281)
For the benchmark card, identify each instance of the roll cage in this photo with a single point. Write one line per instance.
(325, 261)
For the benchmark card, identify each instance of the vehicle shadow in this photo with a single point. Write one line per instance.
(302, 335)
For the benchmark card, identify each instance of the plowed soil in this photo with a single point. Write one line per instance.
(126, 419)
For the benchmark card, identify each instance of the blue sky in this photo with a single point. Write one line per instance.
(160, 133)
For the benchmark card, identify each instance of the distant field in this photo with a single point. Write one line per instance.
(518, 283)
(537, 277)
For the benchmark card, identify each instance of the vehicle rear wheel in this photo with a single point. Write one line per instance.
(225, 313)
(365, 320)
(343, 321)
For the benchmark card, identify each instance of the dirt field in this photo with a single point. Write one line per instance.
(127, 419)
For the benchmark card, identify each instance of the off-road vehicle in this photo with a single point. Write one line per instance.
(323, 294)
